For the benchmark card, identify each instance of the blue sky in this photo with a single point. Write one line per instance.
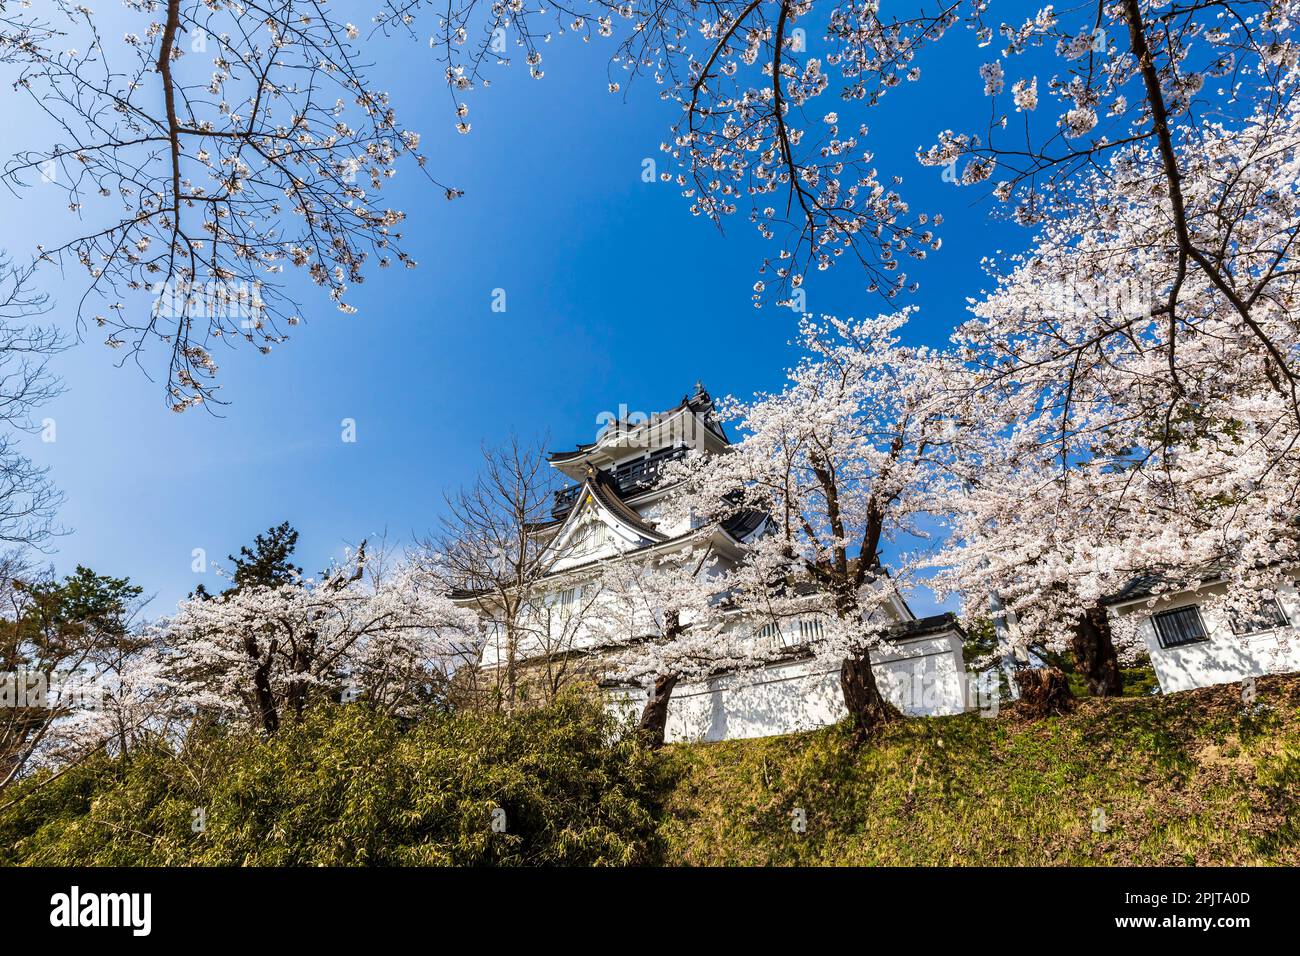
(616, 295)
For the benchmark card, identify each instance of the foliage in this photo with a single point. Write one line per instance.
(69, 654)
(980, 643)
(1187, 779)
(349, 786)
(266, 563)
(276, 641)
(980, 647)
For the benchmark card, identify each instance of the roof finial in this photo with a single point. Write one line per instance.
(699, 387)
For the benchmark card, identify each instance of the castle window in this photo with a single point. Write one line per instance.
(1180, 627)
(1268, 617)
(810, 629)
(769, 636)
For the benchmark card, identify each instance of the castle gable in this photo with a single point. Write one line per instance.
(599, 526)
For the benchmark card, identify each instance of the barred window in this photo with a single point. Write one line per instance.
(1269, 616)
(1180, 626)
(567, 599)
(810, 629)
(768, 638)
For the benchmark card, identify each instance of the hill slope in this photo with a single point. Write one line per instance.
(1192, 778)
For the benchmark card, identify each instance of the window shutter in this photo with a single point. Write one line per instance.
(1269, 616)
(1180, 627)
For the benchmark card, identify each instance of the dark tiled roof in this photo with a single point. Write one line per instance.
(701, 403)
(605, 490)
(740, 526)
(630, 478)
(934, 624)
(1155, 582)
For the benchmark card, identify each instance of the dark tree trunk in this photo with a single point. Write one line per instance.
(262, 693)
(295, 698)
(266, 701)
(867, 707)
(1095, 651)
(654, 718)
(1044, 691)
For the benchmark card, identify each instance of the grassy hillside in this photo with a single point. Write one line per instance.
(1186, 779)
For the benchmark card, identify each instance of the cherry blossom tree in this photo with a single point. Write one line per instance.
(265, 652)
(276, 157)
(76, 673)
(840, 461)
(665, 616)
(1164, 160)
(208, 149)
(1041, 553)
(752, 137)
(1139, 409)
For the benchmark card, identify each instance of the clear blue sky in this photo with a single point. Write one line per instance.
(616, 296)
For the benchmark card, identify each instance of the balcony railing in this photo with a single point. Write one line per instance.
(776, 636)
(629, 478)
(564, 499)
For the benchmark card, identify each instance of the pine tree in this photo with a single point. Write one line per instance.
(267, 563)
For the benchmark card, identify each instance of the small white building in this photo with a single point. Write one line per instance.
(611, 512)
(1194, 641)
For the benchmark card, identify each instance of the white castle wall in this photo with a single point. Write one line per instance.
(923, 677)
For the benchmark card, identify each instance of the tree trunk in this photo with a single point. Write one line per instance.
(11, 759)
(1044, 691)
(512, 669)
(654, 718)
(867, 707)
(266, 702)
(295, 697)
(1095, 651)
(262, 693)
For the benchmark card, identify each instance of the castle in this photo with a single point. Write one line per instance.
(611, 511)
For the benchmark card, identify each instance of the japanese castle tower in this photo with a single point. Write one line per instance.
(611, 510)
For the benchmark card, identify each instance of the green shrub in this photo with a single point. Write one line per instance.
(562, 784)
(1195, 778)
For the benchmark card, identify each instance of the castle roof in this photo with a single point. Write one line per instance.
(690, 423)
(602, 486)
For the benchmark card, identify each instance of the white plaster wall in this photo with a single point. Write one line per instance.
(923, 677)
(1226, 657)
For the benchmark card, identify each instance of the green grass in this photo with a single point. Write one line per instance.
(1191, 779)
(1187, 779)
